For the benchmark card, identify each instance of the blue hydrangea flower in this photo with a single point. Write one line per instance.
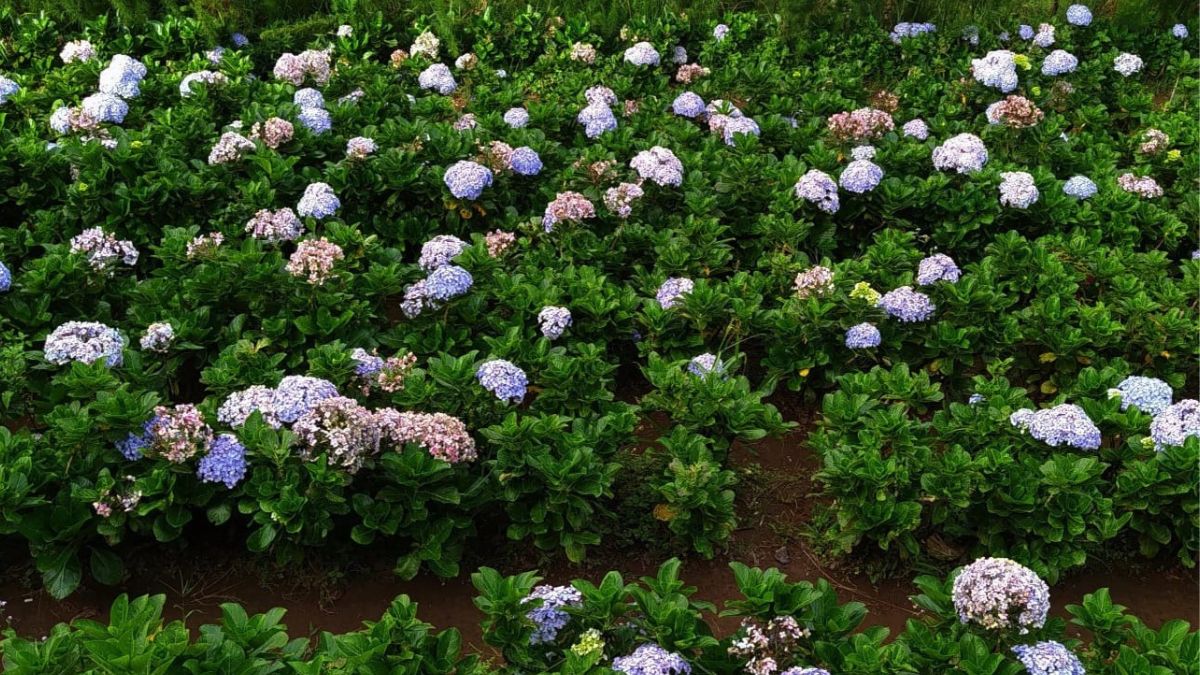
(1017, 189)
(1025, 31)
(736, 126)
(367, 363)
(103, 107)
(298, 394)
(239, 40)
(467, 179)
(1180, 31)
(7, 88)
(1150, 394)
(1173, 426)
(5, 278)
(122, 77)
(308, 98)
(525, 161)
(861, 176)
(553, 321)
(447, 282)
(650, 659)
(224, 463)
(863, 336)
(996, 69)
(688, 105)
(1059, 62)
(84, 341)
(504, 379)
(596, 119)
(316, 120)
(905, 30)
(1079, 15)
(437, 77)
(673, 290)
(976, 399)
(937, 267)
(1064, 424)
(319, 201)
(965, 153)
(516, 118)
(1079, 187)
(906, 304)
(818, 188)
(1049, 658)
(706, 364)
(133, 444)
(549, 617)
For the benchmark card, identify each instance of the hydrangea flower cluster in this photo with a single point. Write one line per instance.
(444, 437)
(620, 199)
(314, 259)
(295, 68)
(440, 250)
(122, 77)
(964, 153)
(997, 70)
(231, 147)
(549, 617)
(861, 176)
(1154, 141)
(1142, 186)
(1017, 112)
(84, 341)
(206, 77)
(1173, 426)
(935, 268)
(570, 206)
(738, 125)
(281, 225)
(1079, 15)
(1017, 189)
(224, 463)
(816, 280)
(905, 29)
(158, 337)
(818, 188)
(1064, 424)
(524, 161)
(1045, 36)
(1079, 187)
(465, 122)
(642, 54)
(764, 647)
(596, 119)
(583, 52)
(1059, 62)
(177, 434)
(1180, 31)
(77, 51)
(1127, 64)
(706, 364)
(319, 201)
(447, 282)
(650, 659)
(863, 336)
(672, 290)
(863, 152)
(861, 125)
(466, 61)
(100, 107)
(720, 32)
(998, 593)
(273, 133)
(1150, 394)
(499, 241)
(516, 118)
(467, 179)
(688, 104)
(426, 45)
(553, 321)
(1049, 658)
(103, 250)
(690, 72)
(437, 77)
(316, 120)
(907, 305)
(658, 165)
(863, 291)
(341, 428)
(360, 147)
(504, 379)
(239, 405)
(387, 374)
(6, 278)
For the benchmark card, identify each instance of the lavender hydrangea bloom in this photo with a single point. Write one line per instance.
(1064, 424)
(298, 394)
(1079, 15)
(439, 251)
(863, 336)
(224, 463)
(964, 153)
(319, 201)
(131, 446)
(207, 77)
(84, 341)
(706, 364)
(993, 592)
(805, 671)
(976, 399)
(1079, 187)
(650, 659)
(447, 282)
(596, 119)
(1180, 31)
(239, 40)
(688, 105)
(863, 152)
(467, 179)
(1017, 189)
(642, 54)
(735, 126)
(996, 69)
(316, 120)
(438, 78)
(937, 267)
(1150, 394)
(158, 337)
(720, 32)
(861, 176)
(308, 98)
(239, 405)
(906, 304)
(525, 161)
(504, 379)
(1059, 62)
(910, 30)
(1048, 658)
(553, 321)
(1045, 36)
(1173, 426)
(368, 363)
(5, 278)
(820, 189)
(102, 107)
(1127, 64)
(516, 118)
(672, 290)
(360, 147)
(122, 77)
(549, 617)
(658, 165)
(1025, 31)
(916, 129)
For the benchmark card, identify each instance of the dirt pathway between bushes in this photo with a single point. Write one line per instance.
(340, 601)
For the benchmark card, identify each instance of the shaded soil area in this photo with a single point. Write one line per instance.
(341, 590)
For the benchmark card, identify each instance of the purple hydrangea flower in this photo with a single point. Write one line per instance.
(122, 77)
(439, 251)
(596, 119)
(688, 105)
(131, 446)
(937, 267)
(906, 29)
(553, 321)
(467, 179)
(642, 54)
(1025, 31)
(367, 363)
(316, 120)
(1059, 62)
(1079, 187)
(158, 337)
(658, 165)
(297, 394)
(916, 129)
(997, 70)
(224, 463)
(308, 98)
(241, 404)
(438, 78)
(525, 161)
(997, 593)
(1017, 189)
(1064, 424)
(504, 379)
(672, 290)
(5, 278)
(817, 187)
(1045, 36)
(516, 118)
(1180, 31)
(797, 670)
(720, 32)
(964, 153)
(239, 40)
(1150, 394)
(650, 659)
(84, 341)
(1079, 15)
(319, 201)
(1173, 426)
(549, 617)
(360, 147)
(976, 399)
(447, 282)
(863, 336)
(906, 304)
(861, 176)
(735, 126)
(706, 364)
(1049, 658)
(863, 152)
(103, 107)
